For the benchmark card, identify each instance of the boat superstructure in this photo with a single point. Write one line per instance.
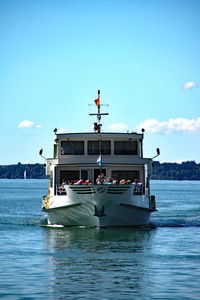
(75, 195)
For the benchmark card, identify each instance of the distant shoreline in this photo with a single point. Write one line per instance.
(188, 170)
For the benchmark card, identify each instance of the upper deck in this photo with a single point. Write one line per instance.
(79, 148)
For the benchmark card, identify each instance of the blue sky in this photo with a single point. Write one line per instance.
(143, 55)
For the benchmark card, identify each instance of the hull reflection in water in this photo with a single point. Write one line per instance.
(89, 263)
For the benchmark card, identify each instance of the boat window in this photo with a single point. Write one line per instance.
(125, 148)
(68, 176)
(124, 174)
(51, 179)
(55, 151)
(84, 174)
(72, 147)
(95, 147)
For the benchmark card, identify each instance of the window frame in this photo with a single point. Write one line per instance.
(98, 152)
(72, 152)
(128, 151)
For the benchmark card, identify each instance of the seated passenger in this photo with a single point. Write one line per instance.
(116, 181)
(109, 180)
(88, 181)
(135, 182)
(79, 182)
(123, 181)
(138, 186)
(64, 181)
(100, 179)
(85, 182)
(61, 188)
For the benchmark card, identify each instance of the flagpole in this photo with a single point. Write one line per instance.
(99, 114)
(99, 131)
(100, 152)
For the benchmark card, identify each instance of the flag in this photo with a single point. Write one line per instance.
(99, 161)
(97, 101)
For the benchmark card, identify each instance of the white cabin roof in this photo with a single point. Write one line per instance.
(94, 135)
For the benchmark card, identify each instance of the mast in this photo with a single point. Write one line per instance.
(99, 114)
(97, 125)
(99, 131)
(97, 128)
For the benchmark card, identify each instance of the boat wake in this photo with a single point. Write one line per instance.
(156, 222)
(176, 222)
(39, 221)
(161, 222)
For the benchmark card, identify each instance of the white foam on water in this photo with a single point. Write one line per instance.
(54, 225)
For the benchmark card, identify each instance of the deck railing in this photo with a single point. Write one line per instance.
(138, 189)
(60, 190)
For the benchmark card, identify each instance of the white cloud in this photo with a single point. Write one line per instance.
(188, 85)
(62, 130)
(179, 125)
(118, 127)
(26, 124)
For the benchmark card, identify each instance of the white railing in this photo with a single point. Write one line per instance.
(60, 190)
(138, 189)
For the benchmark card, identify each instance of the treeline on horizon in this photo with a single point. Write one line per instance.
(188, 170)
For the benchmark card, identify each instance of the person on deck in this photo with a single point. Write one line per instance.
(101, 179)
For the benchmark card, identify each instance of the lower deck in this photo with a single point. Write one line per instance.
(113, 175)
(99, 205)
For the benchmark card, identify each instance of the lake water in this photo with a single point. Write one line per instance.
(40, 262)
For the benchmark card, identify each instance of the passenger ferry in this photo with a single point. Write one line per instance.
(98, 179)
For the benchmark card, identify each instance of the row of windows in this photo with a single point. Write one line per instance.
(96, 147)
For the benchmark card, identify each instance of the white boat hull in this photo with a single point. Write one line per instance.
(99, 206)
